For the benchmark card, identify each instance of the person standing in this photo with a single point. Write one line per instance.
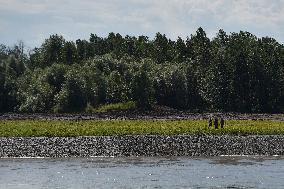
(210, 123)
(222, 123)
(216, 123)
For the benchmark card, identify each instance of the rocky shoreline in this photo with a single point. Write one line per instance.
(149, 145)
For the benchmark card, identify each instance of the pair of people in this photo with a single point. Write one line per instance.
(216, 123)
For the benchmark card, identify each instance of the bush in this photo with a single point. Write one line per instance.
(117, 106)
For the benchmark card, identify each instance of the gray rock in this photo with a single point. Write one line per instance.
(149, 145)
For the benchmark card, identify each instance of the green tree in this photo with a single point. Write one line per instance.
(181, 50)
(34, 94)
(51, 50)
(142, 87)
(161, 49)
(69, 53)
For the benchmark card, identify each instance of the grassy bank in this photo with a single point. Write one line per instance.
(133, 127)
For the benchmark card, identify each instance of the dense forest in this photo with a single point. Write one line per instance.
(235, 72)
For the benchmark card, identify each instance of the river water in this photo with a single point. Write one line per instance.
(96, 173)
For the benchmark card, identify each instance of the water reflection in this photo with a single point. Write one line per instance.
(217, 172)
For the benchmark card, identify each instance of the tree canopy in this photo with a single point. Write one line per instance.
(236, 72)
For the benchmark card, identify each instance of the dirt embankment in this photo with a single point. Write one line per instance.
(157, 113)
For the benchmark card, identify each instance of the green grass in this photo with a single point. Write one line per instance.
(117, 106)
(133, 127)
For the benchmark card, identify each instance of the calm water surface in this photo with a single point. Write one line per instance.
(219, 172)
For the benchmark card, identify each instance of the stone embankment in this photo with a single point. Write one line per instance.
(203, 145)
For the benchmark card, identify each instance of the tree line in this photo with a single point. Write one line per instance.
(236, 72)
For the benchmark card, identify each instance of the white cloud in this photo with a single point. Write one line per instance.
(24, 6)
(257, 12)
(78, 18)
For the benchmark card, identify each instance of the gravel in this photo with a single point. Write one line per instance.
(149, 145)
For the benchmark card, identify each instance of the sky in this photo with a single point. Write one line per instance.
(32, 21)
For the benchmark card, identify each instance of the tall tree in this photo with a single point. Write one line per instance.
(51, 50)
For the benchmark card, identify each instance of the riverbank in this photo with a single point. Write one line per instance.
(157, 114)
(139, 145)
(41, 137)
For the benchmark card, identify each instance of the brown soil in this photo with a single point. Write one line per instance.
(156, 113)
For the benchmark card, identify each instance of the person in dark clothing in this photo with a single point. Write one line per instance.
(210, 123)
(216, 123)
(222, 123)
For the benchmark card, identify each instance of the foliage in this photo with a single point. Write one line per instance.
(113, 107)
(232, 72)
